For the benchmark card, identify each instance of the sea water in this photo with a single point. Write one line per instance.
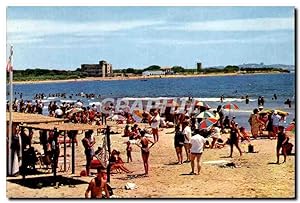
(208, 89)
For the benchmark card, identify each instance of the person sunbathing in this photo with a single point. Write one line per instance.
(127, 132)
(116, 163)
(245, 135)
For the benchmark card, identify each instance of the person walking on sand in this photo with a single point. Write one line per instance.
(234, 139)
(179, 142)
(145, 150)
(97, 185)
(282, 141)
(187, 132)
(155, 121)
(197, 147)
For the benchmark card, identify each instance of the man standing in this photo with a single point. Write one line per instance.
(282, 141)
(88, 149)
(275, 121)
(98, 184)
(197, 147)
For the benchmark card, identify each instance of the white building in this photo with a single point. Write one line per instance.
(154, 72)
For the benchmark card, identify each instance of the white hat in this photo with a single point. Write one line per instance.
(260, 107)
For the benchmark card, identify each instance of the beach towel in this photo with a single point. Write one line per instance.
(130, 186)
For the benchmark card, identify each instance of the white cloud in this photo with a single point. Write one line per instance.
(23, 31)
(255, 24)
(264, 39)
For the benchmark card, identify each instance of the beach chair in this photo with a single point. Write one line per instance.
(44, 161)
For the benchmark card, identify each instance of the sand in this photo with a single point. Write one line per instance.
(255, 177)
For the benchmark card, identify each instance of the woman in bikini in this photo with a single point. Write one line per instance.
(145, 151)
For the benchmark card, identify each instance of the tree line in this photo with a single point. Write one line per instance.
(46, 74)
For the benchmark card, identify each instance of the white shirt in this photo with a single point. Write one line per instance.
(276, 118)
(188, 133)
(197, 142)
(155, 122)
(216, 133)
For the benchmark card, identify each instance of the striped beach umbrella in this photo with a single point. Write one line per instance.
(230, 106)
(291, 128)
(137, 115)
(118, 118)
(207, 122)
(202, 104)
(205, 114)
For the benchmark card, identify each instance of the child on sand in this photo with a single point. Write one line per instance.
(245, 135)
(128, 151)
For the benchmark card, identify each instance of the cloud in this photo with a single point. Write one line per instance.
(255, 24)
(26, 31)
(263, 39)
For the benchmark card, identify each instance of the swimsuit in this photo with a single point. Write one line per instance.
(233, 136)
(144, 149)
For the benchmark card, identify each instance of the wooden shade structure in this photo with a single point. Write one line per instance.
(64, 127)
(31, 118)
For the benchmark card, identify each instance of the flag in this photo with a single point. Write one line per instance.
(9, 67)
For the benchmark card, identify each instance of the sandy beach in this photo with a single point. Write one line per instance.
(256, 175)
(137, 77)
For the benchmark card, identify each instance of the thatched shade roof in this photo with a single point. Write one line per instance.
(31, 118)
(62, 126)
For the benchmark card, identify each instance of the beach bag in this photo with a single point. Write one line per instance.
(250, 148)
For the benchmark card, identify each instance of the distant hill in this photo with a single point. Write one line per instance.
(260, 65)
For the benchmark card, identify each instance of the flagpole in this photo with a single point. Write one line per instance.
(10, 112)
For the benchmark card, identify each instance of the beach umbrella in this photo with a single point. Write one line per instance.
(205, 114)
(74, 110)
(172, 103)
(291, 128)
(230, 106)
(207, 122)
(202, 104)
(118, 118)
(137, 115)
(266, 111)
(282, 113)
(58, 112)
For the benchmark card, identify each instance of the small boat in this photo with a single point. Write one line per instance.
(143, 79)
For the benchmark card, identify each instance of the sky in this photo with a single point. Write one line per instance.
(136, 37)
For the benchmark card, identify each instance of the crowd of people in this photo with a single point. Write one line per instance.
(190, 139)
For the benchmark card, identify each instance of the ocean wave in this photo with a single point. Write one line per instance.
(68, 101)
(96, 103)
(207, 99)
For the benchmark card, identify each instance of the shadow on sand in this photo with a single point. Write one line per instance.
(133, 176)
(171, 164)
(187, 174)
(273, 163)
(47, 181)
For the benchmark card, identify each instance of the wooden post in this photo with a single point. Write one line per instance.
(107, 132)
(73, 154)
(55, 156)
(65, 152)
